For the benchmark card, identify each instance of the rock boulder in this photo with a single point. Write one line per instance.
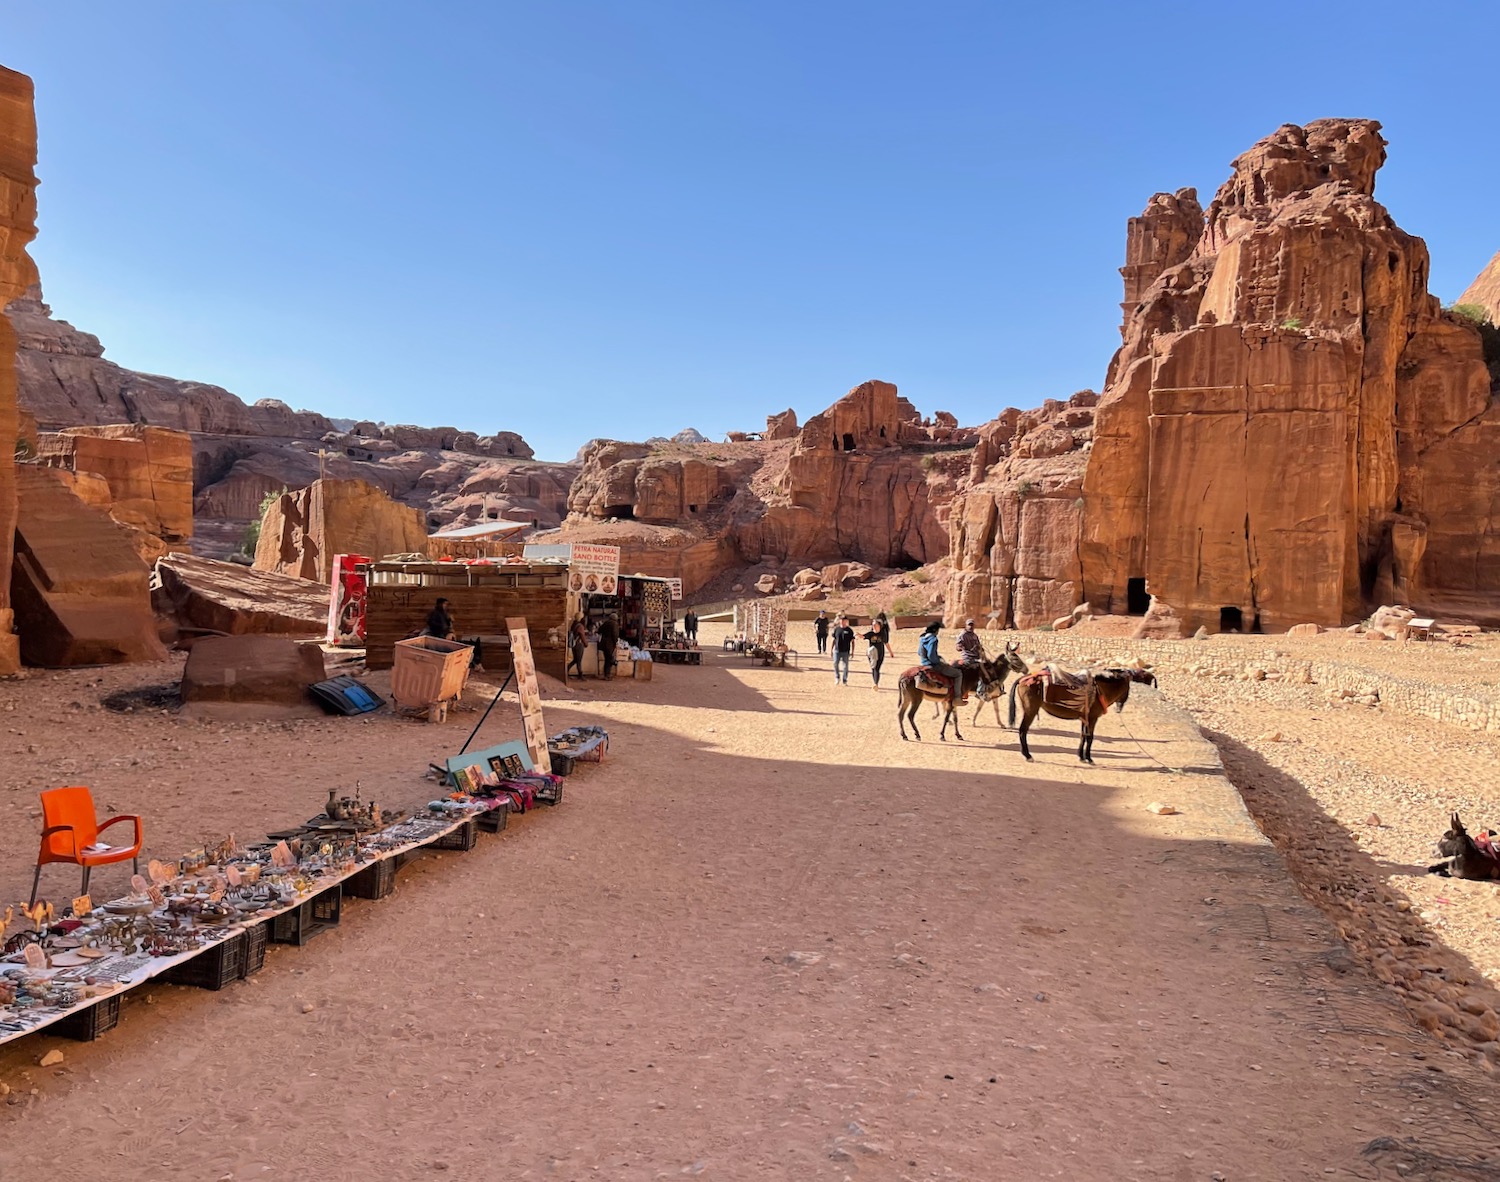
(201, 594)
(302, 531)
(250, 676)
(81, 592)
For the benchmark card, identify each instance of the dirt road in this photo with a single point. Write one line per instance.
(765, 939)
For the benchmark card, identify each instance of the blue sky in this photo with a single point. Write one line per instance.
(578, 219)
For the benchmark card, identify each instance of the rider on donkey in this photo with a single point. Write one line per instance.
(933, 662)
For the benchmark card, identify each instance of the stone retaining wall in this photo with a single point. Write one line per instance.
(1475, 708)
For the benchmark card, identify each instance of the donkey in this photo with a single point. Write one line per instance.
(1468, 857)
(910, 691)
(1086, 698)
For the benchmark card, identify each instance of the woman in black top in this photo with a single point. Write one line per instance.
(879, 638)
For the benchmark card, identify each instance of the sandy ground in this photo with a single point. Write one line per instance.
(765, 939)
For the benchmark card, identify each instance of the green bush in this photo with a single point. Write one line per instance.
(251, 538)
(1025, 489)
(921, 576)
(1489, 336)
(907, 605)
(1292, 323)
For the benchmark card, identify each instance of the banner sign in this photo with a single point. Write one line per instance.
(529, 690)
(676, 585)
(346, 601)
(594, 570)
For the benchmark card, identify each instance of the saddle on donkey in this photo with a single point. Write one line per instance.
(1069, 688)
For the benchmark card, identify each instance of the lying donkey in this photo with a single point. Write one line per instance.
(1468, 857)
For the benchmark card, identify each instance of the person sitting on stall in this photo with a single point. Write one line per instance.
(609, 637)
(439, 622)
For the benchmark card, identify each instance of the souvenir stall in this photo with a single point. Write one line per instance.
(640, 604)
(205, 919)
(482, 594)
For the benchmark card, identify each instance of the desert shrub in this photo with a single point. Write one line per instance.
(1025, 488)
(907, 605)
(921, 576)
(1489, 336)
(251, 538)
(1292, 324)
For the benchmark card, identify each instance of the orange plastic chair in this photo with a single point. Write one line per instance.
(70, 826)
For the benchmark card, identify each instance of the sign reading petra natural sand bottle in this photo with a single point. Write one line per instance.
(530, 692)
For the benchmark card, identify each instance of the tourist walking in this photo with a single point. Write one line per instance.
(879, 639)
(609, 638)
(820, 630)
(843, 649)
(578, 641)
(690, 626)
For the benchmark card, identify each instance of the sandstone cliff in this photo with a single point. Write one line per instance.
(141, 476)
(242, 453)
(302, 531)
(1484, 292)
(17, 272)
(1017, 524)
(868, 479)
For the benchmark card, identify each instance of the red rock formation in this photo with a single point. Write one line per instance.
(204, 595)
(302, 531)
(1484, 292)
(81, 592)
(782, 426)
(17, 272)
(867, 479)
(147, 478)
(1282, 425)
(1162, 237)
(243, 452)
(1015, 528)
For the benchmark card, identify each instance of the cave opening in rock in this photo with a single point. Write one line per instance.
(904, 561)
(619, 512)
(1231, 620)
(692, 508)
(848, 441)
(1137, 598)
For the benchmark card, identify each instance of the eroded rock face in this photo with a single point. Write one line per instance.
(17, 273)
(1292, 423)
(241, 453)
(302, 531)
(1484, 292)
(146, 474)
(81, 592)
(867, 479)
(200, 594)
(1015, 529)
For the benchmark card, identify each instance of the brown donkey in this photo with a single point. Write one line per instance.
(1085, 697)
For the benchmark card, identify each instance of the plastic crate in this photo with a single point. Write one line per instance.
(254, 958)
(375, 881)
(89, 1024)
(494, 820)
(312, 918)
(465, 837)
(562, 763)
(213, 968)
